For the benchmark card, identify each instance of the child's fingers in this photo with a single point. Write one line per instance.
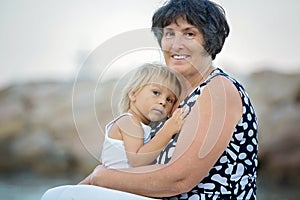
(177, 112)
(182, 112)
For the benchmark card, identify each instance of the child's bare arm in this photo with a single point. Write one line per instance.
(175, 122)
(139, 153)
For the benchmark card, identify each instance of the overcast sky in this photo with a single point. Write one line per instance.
(52, 38)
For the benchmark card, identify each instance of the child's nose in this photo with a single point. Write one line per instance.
(162, 101)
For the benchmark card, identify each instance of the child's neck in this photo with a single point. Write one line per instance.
(138, 116)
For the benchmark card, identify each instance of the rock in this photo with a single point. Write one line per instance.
(11, 112)
(276, 100)
(38, 131)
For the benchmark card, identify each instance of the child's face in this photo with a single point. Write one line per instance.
(153, 102)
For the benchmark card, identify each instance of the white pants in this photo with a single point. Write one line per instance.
(83, 192)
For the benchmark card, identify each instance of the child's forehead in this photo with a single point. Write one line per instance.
(158, 84)
(162, 87)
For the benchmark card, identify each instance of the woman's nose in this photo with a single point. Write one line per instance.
(177, 42)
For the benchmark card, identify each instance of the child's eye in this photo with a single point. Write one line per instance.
(169, 100)
(156, 93)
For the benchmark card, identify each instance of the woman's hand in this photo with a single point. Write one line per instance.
(91, 177)
(94, 176)
(85, 181)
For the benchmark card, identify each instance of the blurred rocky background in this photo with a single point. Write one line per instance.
(276, 97)
(49, 128)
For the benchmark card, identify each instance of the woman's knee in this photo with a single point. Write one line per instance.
(55, 193)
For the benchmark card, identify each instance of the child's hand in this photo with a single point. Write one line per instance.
(176, 121)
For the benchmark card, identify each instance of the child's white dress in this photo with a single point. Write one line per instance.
(113, 150)
(113, 156)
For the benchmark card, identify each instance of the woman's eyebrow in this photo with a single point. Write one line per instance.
(184, 29)
(168, 29)
(190, 28)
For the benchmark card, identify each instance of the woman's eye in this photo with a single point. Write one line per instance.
(189, 35)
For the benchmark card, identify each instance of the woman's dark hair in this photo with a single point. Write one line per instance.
(205, 15)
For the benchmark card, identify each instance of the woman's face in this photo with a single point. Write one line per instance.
(182, 45)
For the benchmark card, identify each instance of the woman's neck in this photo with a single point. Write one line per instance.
(200, 77)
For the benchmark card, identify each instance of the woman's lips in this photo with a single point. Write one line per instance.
(179, 57)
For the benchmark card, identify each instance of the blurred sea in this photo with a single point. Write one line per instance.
(27, 186)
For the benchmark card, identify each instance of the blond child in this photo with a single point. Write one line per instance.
(150, 95)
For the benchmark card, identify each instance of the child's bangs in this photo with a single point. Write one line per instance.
(167, 79)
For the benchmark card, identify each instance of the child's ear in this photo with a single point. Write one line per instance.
(132, 96)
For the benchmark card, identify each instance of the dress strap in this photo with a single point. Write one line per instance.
(192, 97)
(214, 73)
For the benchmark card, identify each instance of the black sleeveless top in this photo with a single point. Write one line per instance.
(234, 174)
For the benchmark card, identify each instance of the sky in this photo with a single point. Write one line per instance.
(52, 39)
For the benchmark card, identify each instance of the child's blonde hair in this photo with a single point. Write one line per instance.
(145, 74)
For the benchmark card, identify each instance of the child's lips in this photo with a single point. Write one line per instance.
(158, 111)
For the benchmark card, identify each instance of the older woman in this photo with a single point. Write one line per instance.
(215, 154)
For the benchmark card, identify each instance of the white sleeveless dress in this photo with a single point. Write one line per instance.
(113, 151)
(113, 156)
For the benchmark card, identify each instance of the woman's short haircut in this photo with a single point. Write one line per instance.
(208, 17)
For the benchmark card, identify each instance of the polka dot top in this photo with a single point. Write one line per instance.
(234, 174)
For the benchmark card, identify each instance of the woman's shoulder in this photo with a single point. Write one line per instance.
(220, 79)
(223, 83)
(221, 91)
